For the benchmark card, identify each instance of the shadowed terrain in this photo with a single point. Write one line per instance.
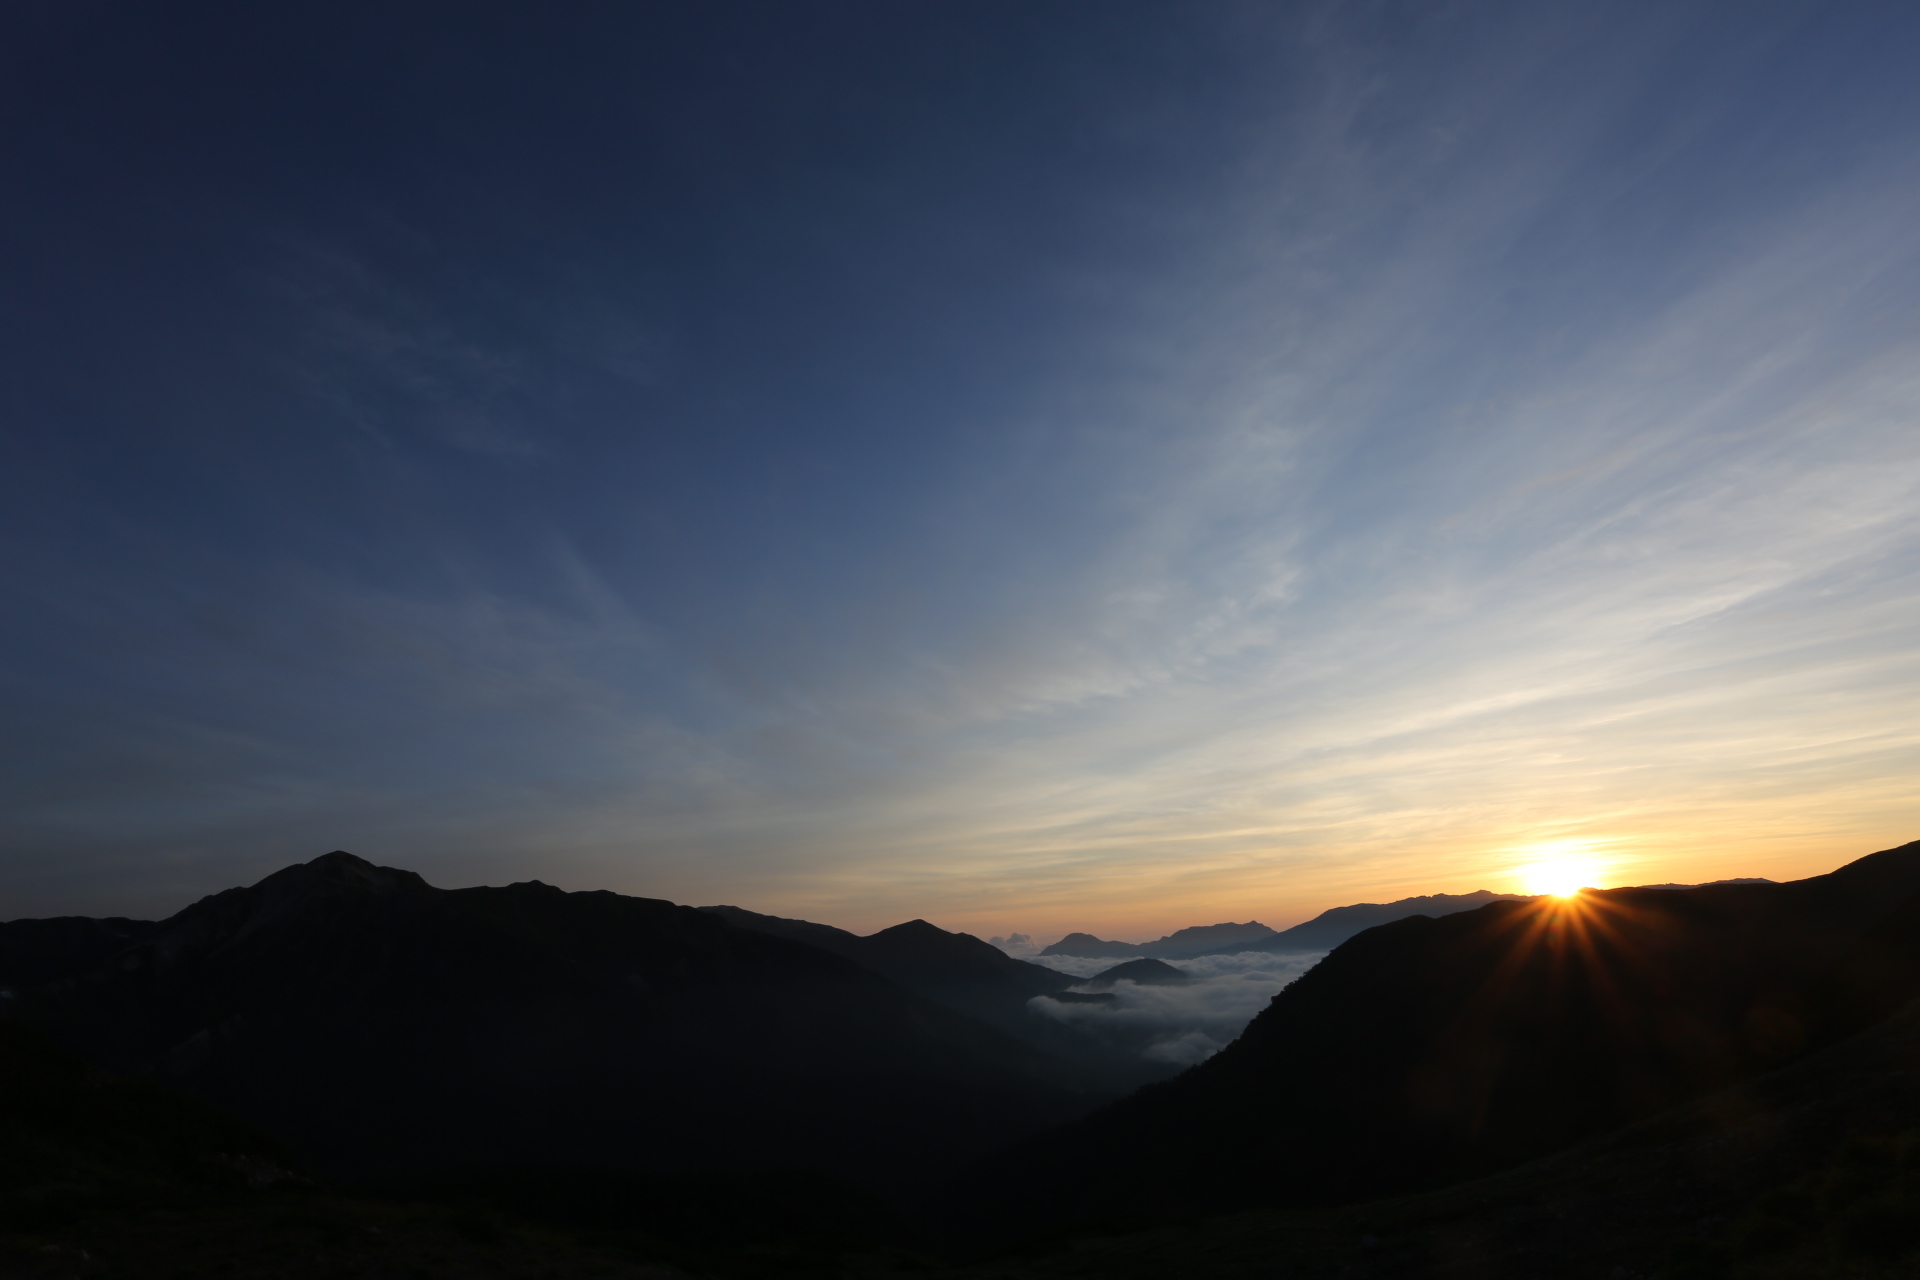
(386, 1029)
(1431, 1050)
(1811, 1170)
(1721, 1081)
(974, 978)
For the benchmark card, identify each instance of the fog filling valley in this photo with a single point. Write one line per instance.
(1182, 1023)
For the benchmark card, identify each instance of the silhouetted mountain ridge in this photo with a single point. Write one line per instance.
(1181, 944)
(35, 951)
(1322, 933)
(382, 1026)
(1431, 1049)
(1332, 927)
(971, 977)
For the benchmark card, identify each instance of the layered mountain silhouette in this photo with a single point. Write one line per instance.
(1428, 1050)
(1181, 944)
(970, 977)
(1322, 933)
(1331, 928)
(386, 1028)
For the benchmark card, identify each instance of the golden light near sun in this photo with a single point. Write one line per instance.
(1561, 876)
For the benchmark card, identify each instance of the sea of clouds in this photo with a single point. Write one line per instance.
(1178, 1024)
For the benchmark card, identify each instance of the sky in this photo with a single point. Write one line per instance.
(1034, 466)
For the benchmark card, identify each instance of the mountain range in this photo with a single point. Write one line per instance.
(973, 978)
(1322, 933)
(380, 1030)
(385, 1028)
(1181, 944)
(1434, 1049)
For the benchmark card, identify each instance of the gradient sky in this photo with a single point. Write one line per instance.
(1028, 465)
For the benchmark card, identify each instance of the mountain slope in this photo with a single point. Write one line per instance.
(385, 1027)
(1808, 1170)
(1431, 1049)
(917, 955)
(973, 978)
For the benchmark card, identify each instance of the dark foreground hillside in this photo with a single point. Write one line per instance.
(1812, 1170)
(1808, 1172)
(1433, 1050)
(104, 1177)
(1721, 1083)
(386, 1030)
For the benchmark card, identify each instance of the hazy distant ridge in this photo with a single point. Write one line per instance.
(1444, 1048)
(1182, 944)
(1322, 933)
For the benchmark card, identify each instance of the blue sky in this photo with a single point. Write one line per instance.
(1030, 466)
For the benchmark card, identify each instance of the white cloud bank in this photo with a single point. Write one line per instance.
(1184, 1023)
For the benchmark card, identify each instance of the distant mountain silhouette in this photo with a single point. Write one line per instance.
(1085, 946)
(1431, 1049)
(971, 977)
(1703, 884)
(384, 1027)
(1322, 933)
(1181, 944)
(1331, 928)
(1145, 971)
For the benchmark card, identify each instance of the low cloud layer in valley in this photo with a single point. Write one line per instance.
(1182, 1023)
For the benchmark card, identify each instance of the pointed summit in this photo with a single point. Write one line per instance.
(340, 870)
(914, 929)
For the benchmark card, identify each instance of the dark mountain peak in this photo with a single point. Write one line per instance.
(323, 885)
(1146, 971)
(539, 886)
(341, 870)
(1210, 932)
(917, 942)
(1087, 947)
(913, 929)
(970, 976)
(1208, 939)
(1181, 944)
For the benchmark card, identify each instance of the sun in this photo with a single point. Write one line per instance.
(1561, 877)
